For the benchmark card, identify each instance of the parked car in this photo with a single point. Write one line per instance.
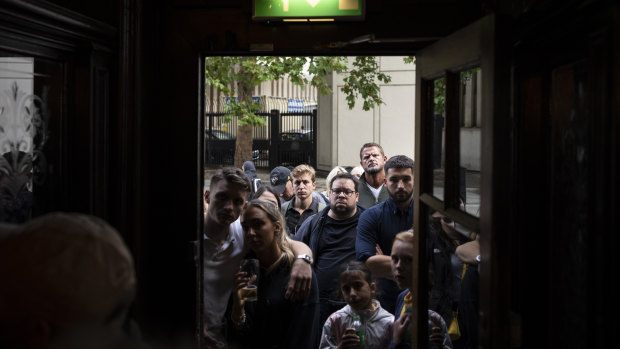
(224, 155)
(218, 134)
(296, 135)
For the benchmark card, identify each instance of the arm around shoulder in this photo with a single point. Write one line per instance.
(300, 282)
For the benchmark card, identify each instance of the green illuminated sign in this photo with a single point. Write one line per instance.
(311, 10)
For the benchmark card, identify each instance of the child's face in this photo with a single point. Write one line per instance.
(402, 264)
(357, 292)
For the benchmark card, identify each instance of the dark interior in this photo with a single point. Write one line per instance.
(127, 144)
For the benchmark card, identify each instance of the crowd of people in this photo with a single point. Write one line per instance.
(334, 267)
(331, 259)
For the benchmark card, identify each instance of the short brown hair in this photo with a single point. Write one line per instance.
(399, 161)
(233, 175)
(301, 169)
(370, 145)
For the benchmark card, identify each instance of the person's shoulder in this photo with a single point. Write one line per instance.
(236, 228)
(372, 211)
(435, 318)
(402, 294)
(383, 314)
(236, 231)
(306, 227)
(362, 178)
(286, 205)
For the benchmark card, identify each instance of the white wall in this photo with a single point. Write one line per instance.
(471, 148)
(390, 124)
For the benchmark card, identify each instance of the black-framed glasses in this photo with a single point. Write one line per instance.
(348, 193)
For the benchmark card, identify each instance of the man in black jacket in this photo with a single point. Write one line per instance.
(331, 236)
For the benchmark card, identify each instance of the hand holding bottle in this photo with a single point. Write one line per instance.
(349, 339)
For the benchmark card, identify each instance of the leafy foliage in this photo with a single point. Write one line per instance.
(239, 75)
(439, 96)
(361, 80)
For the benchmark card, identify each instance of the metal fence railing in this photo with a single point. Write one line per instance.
(286, 139)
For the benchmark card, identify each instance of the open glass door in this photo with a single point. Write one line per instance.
(461, 133)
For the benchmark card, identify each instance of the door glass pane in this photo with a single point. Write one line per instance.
(30, 109)
(438, 137)
(470, 100)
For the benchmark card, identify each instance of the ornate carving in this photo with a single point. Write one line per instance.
(23, 133)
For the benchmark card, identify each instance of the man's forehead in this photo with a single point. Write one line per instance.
(303, 177)
(399, 172)
(370, 150)
(343, 182)
(228, 187)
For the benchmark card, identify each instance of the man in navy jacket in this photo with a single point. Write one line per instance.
(380, 223)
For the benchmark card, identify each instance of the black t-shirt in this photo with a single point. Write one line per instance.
(336, 246)
(294, 219)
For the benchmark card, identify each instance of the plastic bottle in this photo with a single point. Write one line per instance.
(360, 331)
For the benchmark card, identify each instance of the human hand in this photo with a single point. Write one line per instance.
(379, 250)
(213, 337)
(241, 280)
(349, 339)
(300, 282)
(448, 225)
(436, 337)
(209, 340)
(400, 327)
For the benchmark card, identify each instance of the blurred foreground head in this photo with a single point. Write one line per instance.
(65, 278)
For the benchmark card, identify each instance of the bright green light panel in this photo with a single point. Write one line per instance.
(281, 9)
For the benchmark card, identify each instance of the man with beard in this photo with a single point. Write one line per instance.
(372, 191)
(379, 225)
(331, 237)
(224, 248)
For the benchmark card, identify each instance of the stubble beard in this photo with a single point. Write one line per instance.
(399, 199)
(342, 212)
(373, 170)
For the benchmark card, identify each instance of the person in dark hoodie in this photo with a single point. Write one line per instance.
(330, 234)
(250, 170)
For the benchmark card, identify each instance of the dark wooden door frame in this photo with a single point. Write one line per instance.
(475, 45)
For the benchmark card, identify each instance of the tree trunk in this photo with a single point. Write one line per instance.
(245, 134)
(243, 144)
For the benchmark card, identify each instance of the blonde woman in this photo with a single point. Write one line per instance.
(272, 321)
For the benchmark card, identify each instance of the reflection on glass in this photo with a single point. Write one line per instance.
(438, 136)
(31, 111)
(23, 133)
(470, 140)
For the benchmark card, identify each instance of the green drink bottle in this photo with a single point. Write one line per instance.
(360, 331)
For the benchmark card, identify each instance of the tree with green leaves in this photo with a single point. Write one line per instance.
(237, 77)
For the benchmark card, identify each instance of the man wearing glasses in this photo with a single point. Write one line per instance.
(330, 234)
